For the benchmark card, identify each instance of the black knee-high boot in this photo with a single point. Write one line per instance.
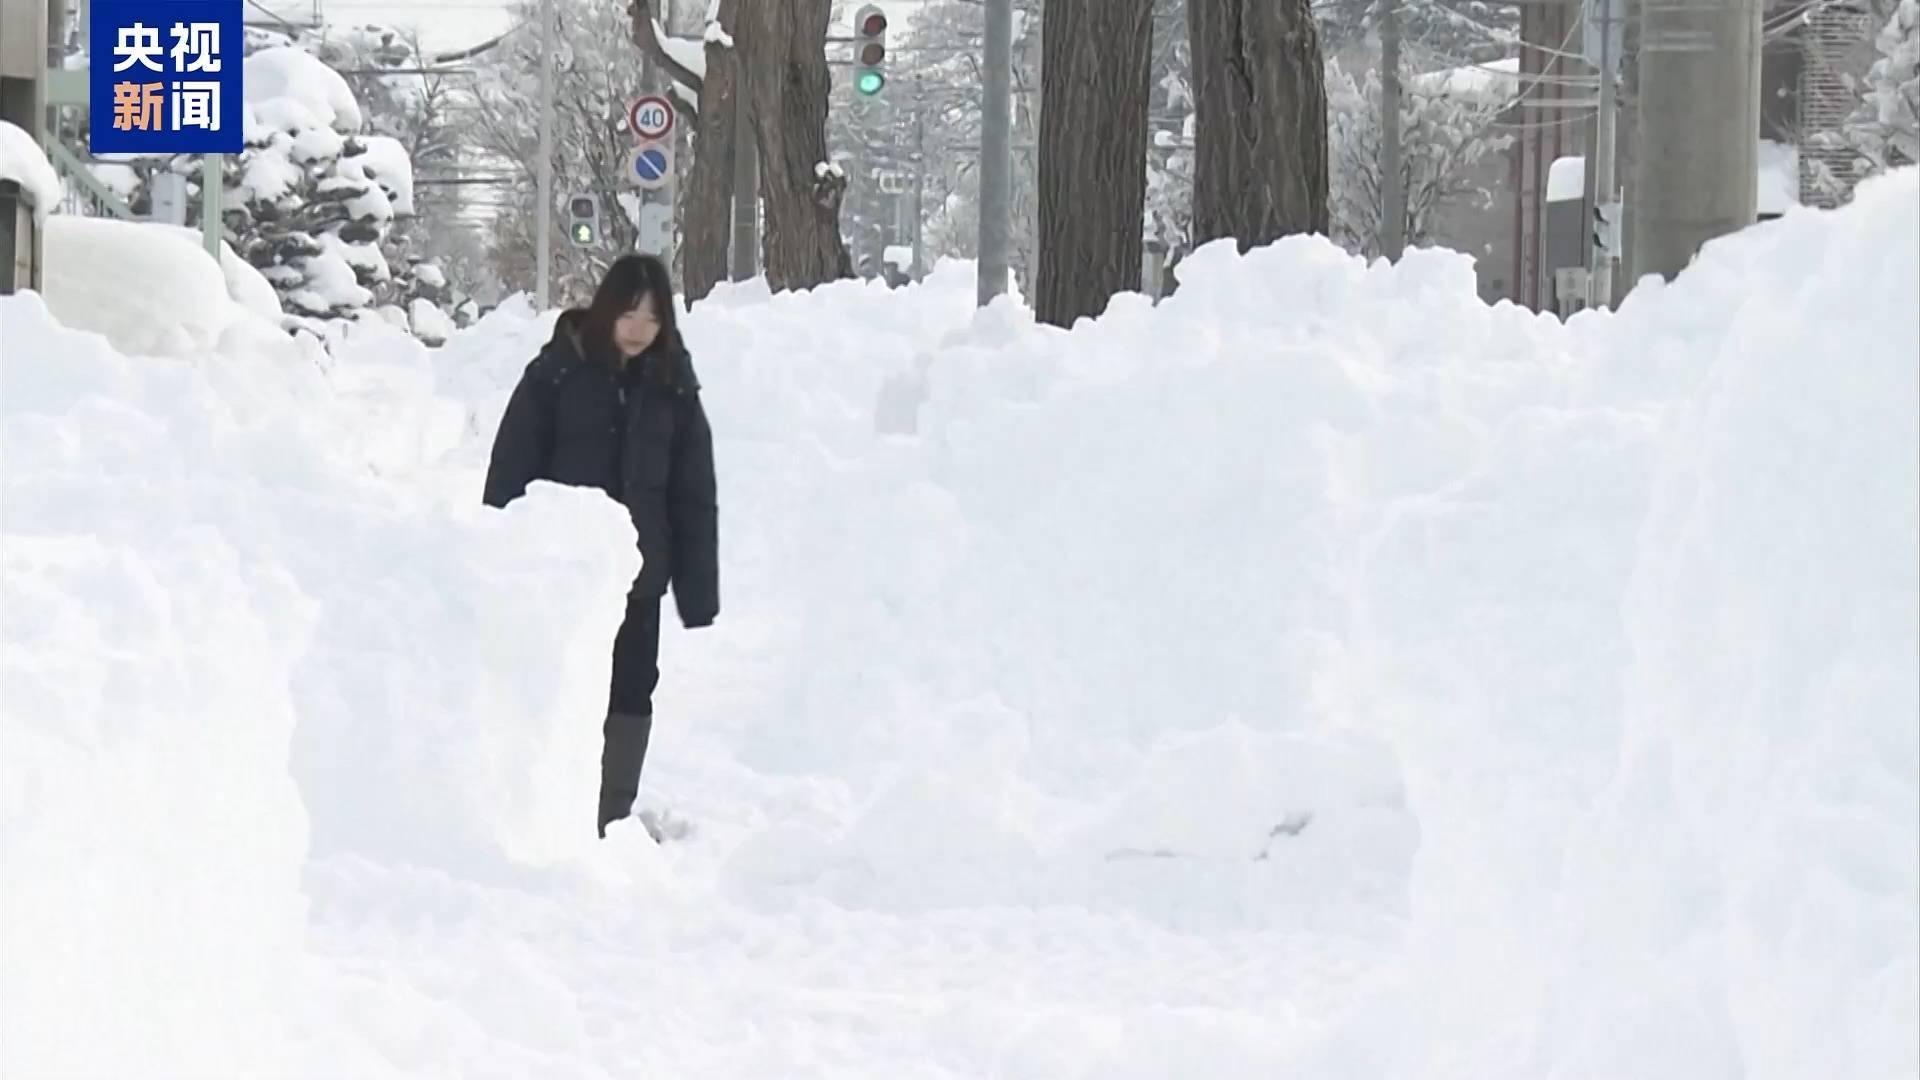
(636, 671)
(621, 759)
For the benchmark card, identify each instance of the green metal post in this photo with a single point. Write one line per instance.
(213, 182)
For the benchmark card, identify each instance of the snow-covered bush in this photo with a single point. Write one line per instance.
(1885, 129)
(404, 97)
(1446, 131)
(313, 199)
(316, 201)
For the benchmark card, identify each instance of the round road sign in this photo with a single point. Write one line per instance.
(650, 117)
(651, 166)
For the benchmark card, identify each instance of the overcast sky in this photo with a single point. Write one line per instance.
(446, 25)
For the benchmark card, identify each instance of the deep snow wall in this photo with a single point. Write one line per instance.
(1575, 661)
(230, 641)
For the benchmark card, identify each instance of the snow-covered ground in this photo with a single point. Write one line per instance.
(1322, 674)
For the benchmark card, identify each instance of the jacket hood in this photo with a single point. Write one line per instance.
(566, 330)
(566, 348)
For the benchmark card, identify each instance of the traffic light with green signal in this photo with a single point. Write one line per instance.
(869, 50)
(583, 221)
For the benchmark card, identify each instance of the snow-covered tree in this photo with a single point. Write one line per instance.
(1260, 156)
(404, 98)
(597, 71)
(1171, 124)
(315, 197)
(1446, 131)
(1885, 128)
(939, 74)
(311, 200)
(1436, 33)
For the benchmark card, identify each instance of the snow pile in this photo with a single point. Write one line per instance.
(151, 289)
(152, 835)
(1769, 711)
(1675, 837)
(22, 161)
(1320, 673)
(210, 596)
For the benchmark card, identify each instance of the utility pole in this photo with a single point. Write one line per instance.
(1393, 186)
(1696, 166)
(543, 238)
(746, 183)
(996, 152)
(919, 182)
(1606, 185)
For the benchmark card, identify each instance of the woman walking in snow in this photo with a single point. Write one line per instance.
(612, 402)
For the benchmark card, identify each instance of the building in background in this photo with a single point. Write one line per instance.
(1537, 226)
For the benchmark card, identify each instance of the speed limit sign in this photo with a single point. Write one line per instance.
(650, 118)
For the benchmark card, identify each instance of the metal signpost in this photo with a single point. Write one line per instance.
(650, 169)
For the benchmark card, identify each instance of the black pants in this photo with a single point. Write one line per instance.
(636, 671)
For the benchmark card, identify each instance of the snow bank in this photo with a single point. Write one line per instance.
(246, 286)
(151, 289)
(1319, 673)
(1748, 882)
(153, 837)
(1349, 521)
(22, 161)
(234, 637)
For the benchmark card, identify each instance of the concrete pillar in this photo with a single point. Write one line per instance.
(1696, 169)
(23, 103)
(23, 65)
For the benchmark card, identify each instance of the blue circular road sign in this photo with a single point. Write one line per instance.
(650, 166)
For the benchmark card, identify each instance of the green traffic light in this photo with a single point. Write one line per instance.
(870, 82)
(582, 233)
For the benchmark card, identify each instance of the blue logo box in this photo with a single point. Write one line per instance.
(165, 77)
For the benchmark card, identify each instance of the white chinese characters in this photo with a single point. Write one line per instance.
(137, 44)
(196, 105)
(196, 47)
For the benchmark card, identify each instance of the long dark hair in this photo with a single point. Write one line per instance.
(627, 283)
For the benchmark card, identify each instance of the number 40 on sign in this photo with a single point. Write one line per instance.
(650, 118)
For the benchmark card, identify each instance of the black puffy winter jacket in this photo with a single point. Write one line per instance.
(641, 436)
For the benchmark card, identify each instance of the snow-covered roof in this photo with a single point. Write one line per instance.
(22, 162)
(1779, 177)
(1779, 169)
(1567, 179)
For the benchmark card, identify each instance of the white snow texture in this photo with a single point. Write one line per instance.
(1320, 674)
(150, 288)
(22, 161)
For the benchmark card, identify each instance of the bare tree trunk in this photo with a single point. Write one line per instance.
(1393, 169)
(646, 35)
(785, 48)
(1260, 130)
(1095, 68)
(706, 205)
(707, 225)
